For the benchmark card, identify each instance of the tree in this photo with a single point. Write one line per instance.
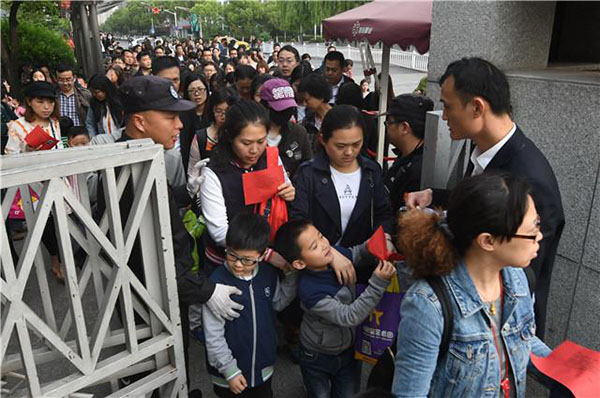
(244, 18)
(40, 45)
(240, 18)
(136, 17)
(210, 16)
(10, 47)
(17, 42)
(300, 16)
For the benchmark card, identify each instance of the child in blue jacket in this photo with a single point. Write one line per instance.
(241, 352)
(331, 310)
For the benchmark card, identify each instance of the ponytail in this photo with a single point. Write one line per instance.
(488, 203)
(425, 240)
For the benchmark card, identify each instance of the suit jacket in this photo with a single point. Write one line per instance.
(522, 158)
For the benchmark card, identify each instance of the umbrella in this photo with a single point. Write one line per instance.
(391, 22)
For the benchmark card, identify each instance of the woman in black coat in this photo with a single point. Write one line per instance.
(341, 191)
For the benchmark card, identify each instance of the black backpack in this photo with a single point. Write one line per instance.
(382, 374)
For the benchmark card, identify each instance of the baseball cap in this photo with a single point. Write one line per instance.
(40, 89)
(409, 107)
(151, 93)
(278, 93)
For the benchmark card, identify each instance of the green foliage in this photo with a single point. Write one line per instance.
(239, 18)
(42, 13)
(300, 16)
(134, 17)
(40, 45)
(210, 16)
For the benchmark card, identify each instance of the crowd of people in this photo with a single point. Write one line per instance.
(221, 110)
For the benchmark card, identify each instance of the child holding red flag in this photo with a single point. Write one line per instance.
(331, 310)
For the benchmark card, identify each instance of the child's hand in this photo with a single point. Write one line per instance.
(385, 270)
(238, 384)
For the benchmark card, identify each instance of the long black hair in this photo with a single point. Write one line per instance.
(102, 83)
(186, 84)
(228, 95)
(239, 115)
(341, 117)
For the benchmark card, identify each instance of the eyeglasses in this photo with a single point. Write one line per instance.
(389, 123)
(538, 225)
(245, 261)
(197, 91)
(219, 112)
(68, 80)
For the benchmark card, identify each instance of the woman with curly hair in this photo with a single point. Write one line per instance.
(491, 235)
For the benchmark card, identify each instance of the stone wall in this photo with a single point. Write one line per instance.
(559, 109)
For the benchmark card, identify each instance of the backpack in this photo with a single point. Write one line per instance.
(382, 374)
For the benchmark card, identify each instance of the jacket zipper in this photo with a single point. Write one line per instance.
(252, 377)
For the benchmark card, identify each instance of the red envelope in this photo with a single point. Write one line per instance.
(261, 185)
(574, 366)
(377, 246)
(38, 136)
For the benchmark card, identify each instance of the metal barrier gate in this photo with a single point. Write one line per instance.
(97, 345)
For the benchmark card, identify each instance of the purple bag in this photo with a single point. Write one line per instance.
(379, 330)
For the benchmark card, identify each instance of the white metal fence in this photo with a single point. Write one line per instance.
(91, 346)
(405, 59)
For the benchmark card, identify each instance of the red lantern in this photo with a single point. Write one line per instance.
(155, 10)
(65, 4)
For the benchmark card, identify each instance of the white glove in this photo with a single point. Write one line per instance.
(221, 305)
(194, 183)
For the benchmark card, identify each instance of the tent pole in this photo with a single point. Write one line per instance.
(383, 96)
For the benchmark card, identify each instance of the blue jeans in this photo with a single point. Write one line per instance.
(325, 376)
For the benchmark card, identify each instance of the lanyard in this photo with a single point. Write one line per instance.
(52, 129)
(109, 117)
(504, 382)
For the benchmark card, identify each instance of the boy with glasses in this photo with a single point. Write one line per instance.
(241, 352)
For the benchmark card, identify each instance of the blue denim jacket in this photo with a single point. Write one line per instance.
(471, 367)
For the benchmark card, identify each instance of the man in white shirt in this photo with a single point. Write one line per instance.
(334, 72)
(476, 98)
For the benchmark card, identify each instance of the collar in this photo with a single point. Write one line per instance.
(466, 296)
(339, 84)
(483, 159)
(65, 95)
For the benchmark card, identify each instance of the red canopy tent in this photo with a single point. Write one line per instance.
(391, 22)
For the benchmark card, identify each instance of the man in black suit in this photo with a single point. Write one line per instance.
(476, 99)
(334, 72)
